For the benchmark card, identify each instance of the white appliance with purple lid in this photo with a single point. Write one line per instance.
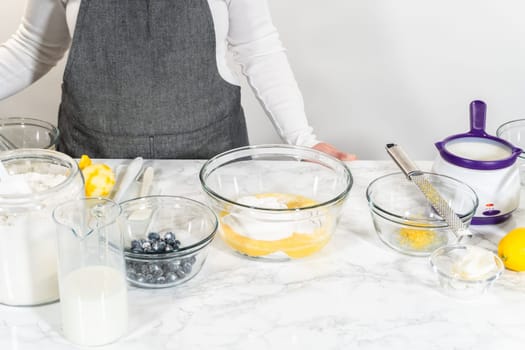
(486, 163)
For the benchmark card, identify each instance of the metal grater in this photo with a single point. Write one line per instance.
(431, 194)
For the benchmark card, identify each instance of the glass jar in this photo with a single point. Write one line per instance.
(28, 249)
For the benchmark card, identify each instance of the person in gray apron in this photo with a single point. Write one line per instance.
(147, 85)
(147, 78)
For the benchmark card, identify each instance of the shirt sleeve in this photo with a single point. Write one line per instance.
(39, 43)
(256, 46)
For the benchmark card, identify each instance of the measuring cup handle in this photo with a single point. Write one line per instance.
(478, 110)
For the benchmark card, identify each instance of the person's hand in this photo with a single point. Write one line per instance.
(331, 150)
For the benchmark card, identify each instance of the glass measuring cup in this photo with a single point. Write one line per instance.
(92, 284)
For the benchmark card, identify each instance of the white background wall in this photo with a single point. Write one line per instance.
(372, 71)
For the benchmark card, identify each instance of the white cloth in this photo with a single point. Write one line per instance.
(242, 26)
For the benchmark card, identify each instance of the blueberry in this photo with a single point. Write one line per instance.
(160, 280)
(155, 269)
(137, 250)
(149, 278)
(173, 246)
(135, 244)
(186, 267)
(161, 246)
(191, 260)
(169, 248)
(171, 277)
(173, 265)
(146, 245)
(155, 246)
(180, 273)
(140, 278)
(177, 244)
(144, 269)
(153, 236)
(169, 237)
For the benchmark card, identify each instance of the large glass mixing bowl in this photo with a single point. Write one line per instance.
(276, 201)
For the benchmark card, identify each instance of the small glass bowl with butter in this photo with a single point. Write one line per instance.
(466, 271)
(276, 202)
(405, 220)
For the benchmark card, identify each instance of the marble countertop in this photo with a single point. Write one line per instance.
(355, 294)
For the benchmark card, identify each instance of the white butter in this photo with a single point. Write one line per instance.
(267, 226)
(476, 264)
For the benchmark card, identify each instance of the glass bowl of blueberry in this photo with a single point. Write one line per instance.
(165, 239)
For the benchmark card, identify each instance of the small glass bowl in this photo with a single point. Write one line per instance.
(165, 239)
(20, 132)
(454, 266)
(276, 202)
(404, 219)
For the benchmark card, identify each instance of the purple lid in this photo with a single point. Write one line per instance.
(478, 135)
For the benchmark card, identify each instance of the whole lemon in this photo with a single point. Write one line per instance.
(511, 249)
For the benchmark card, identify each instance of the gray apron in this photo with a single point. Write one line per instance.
(142, 80)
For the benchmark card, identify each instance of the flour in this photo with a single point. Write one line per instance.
(36, 182)
(28, 249)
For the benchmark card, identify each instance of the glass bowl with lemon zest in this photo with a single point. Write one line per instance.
(404, 219)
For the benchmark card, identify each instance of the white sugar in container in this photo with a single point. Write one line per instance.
(28, 247)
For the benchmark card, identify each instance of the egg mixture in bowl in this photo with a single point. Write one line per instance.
(276, 201)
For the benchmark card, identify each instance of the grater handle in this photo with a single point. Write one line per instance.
(402, 160)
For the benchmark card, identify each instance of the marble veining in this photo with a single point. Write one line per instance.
(355, 294)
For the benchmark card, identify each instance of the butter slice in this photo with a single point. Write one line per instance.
(476, 264)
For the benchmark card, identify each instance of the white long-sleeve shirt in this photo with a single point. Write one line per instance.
(243, 26)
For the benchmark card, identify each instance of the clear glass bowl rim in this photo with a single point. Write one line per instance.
(269, 147)
(441, 250)
(184, 251)
(38, 154)
(53, 130)
(510, 124)
(415, 222)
